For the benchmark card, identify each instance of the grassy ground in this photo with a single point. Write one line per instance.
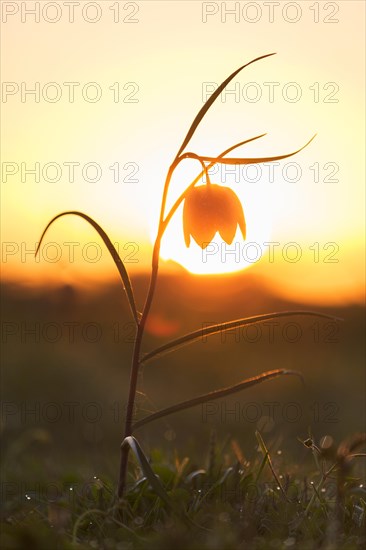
(63, 408)
(231, 502)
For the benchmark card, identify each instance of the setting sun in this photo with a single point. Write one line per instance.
(120, 150)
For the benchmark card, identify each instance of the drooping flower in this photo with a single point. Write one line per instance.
(209, 209)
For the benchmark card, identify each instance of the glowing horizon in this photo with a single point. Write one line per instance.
(133, 143)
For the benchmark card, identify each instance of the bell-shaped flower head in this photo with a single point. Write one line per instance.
(209, 209)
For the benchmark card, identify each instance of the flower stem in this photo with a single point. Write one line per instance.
(163, 223)
(135, 369)
(135, 365)
(138, 342)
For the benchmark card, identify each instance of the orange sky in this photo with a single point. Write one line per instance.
(162, 66)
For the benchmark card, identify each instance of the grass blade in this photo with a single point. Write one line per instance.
(156, 485)
(81, 518)
(268, 459)
(211, 100)
(113, 252)
(217, 394)
(223, 327)
(261, 468)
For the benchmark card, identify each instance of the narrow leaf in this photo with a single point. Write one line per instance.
(217, 394)
(193, 476)
(224, 153)
(224, 477)
(261, 468)
(267, 456)
(113, 252)
(357, 455)
(156, 485)
(214, 329)
(211, 100)
(228, 472)
(225, 160)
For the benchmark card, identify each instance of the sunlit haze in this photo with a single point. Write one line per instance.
(309, 209)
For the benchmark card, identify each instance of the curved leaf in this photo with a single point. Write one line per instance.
(154, 481)
(223, 327)
(193, 476)
(113, 252)
(225, 160)
(211, 100)
(224, 153)
(217, 394)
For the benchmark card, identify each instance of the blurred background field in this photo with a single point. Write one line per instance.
(64, 385)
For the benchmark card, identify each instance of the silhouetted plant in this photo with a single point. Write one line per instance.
(207, 209)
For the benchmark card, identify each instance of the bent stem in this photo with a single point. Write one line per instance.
(142, 322)
(163, 222)
(139, 336)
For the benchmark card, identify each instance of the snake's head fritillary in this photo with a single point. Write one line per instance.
(209, 209)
